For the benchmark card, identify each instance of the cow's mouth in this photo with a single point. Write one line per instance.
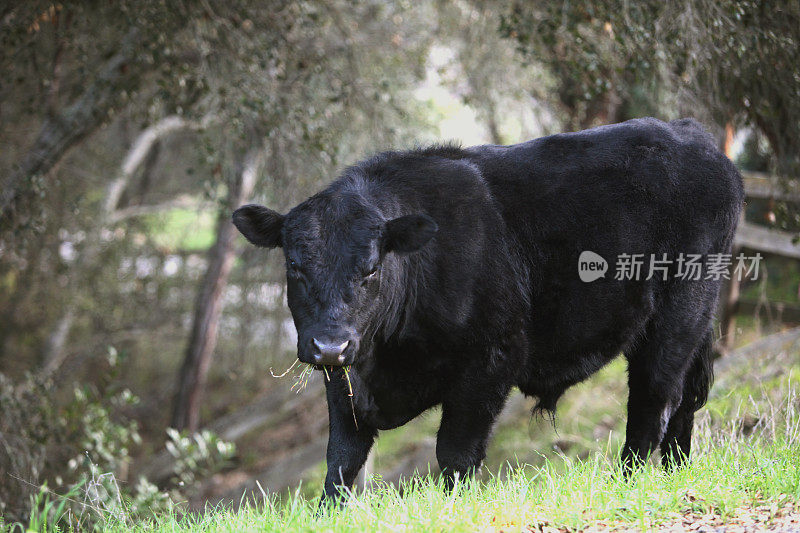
(329, 367)
(316, 364)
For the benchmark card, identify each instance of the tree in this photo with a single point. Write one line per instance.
(73, 106)
(728, 60)
(486, 70)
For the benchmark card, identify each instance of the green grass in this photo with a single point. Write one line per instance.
(730, 476)
(735, 474)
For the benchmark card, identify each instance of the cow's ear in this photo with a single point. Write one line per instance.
(408, 233)
(259, 225)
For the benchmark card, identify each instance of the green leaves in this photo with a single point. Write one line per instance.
(736, 58)
(197, 457)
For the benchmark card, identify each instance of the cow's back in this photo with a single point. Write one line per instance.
(639, 187)
(663, 177)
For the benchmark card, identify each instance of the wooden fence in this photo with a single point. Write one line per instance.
(759, 239)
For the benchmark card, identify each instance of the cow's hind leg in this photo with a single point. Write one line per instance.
(657, 373)
(677, 440)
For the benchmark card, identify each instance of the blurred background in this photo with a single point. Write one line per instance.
(139, 334)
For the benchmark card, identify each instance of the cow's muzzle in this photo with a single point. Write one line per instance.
(331, 351)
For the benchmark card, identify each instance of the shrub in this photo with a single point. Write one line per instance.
(60, 458)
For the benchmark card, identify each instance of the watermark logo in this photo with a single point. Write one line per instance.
(692, 267)
(591, 266)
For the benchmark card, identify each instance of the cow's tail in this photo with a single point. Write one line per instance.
(701, 373)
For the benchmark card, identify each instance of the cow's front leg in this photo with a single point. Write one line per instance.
(467, 418)
(348, 445)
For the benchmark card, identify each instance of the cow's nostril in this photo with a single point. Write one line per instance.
(330, 350)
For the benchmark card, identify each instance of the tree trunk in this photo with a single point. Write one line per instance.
(491, 122)
(727, 144)
(208, 308)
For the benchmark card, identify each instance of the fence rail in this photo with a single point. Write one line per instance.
(757, 185)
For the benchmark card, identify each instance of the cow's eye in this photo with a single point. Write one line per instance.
(371, 274)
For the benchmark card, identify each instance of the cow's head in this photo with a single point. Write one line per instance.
(343, 267)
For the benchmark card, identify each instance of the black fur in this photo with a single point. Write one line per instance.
(450, 276)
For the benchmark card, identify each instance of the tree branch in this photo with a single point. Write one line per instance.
(138, 152)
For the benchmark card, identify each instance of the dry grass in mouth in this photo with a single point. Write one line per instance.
(301, 380)
(350, 394)
(307, 370)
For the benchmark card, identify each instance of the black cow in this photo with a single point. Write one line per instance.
(448, 276)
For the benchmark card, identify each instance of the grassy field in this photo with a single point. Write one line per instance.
(745, 471)
(751, 481)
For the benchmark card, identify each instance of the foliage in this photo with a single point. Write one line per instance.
(65, 457)
(584, 52)
(196, 456)
(474, 65)
(734, 59)
(312, 84)
(755, 155)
